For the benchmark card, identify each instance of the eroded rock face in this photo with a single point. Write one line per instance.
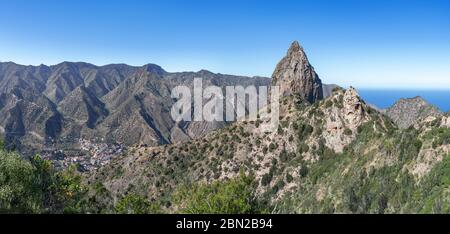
(445, 122)
(353, 108)
(295, 75)
(341, 124)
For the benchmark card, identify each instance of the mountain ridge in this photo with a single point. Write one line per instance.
(409, 111)
(108, 89)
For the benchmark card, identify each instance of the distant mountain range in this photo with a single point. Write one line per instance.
(51, 107)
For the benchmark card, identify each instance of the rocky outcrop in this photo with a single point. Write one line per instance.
(409, 111)
(354, 110)
(295, 75)
(445, 122)
(343, 118)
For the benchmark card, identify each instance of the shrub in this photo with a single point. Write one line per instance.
(35, 187)
(134, 204)
(235, 196)
(283, 155)
(304, 130)
(348, 131)
(266, 179)
(280, 130)
(289, 178)
(328, 104)
(273, 146)
(291, 138)
(19, 189)
(303, 148)
(279, 185)
(303, 172)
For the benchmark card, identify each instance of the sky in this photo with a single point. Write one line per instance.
(363, 43)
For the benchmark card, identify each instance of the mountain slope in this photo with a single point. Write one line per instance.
(110, 104)
(408, 111)
(83, 106)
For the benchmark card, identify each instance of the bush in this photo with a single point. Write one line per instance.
(303, 172)
(303, 148)
(280, 130)
(291, 138)
(235, 196)
(304, 130)
(279, 185)
(348, 132)
(19, 188)
(266, 179)
(283, 155)
(35, 187)
(134, 204)
(328, 104)
(273, 146)
(289, 178)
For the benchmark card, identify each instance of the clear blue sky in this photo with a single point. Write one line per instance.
(378, 43)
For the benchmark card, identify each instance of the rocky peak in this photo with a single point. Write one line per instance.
(295, 49)
(353, 107)
(408, 111)
(153, 69)
(345, 113)
(295, 75)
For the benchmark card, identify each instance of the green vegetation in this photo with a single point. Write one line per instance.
(19, 189)
(348, 132)
(303, 171)
(135, 204)
(385, 187)
(438, 136)
(266, 179)
(328, 103)
(235, 196)
(303, 130)
(35, 187)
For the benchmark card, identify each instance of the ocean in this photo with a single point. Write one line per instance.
(384, 98)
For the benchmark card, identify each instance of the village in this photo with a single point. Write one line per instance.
(87, 156)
